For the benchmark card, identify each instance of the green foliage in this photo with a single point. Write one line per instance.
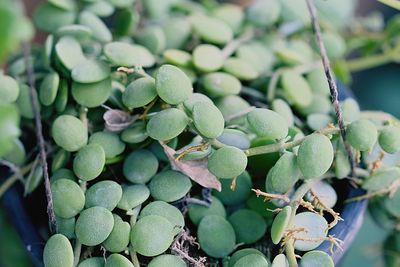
(227, 162)
(89, 162)
(186, 98)
(216, 236)
(105, 194)
(152, 235)
(58, 252)
(68, 198)
(94, 225)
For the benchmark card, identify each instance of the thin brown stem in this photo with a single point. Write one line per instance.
(331, 81)
(269, 196)
(200, 147)
(181, 245)
(321, 204)
(390, 190)
(39, 136)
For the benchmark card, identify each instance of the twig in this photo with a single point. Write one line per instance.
(179, 247)
(147, 109)
(321, 204)
(269, 196)
(39, 135)
(376, 164)
(333, 240)
(138, 70)
(331, 81)
(390, 190)
(200, 147)
(295, 202)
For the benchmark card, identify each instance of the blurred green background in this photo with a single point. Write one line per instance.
(12, 251)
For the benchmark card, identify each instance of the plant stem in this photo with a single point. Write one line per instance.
(290, 255)
(239, 114)
(215, 143)
(78, 245)
(372, 61)
(279, 146)
(77, 252)
(391, 3)
(14, 178)
(331, 81)
(134, 213)
(134, 257)
(294, 204)
(368, 62)
(83, 116)
(39, 135)
(137, 70)
(379, 115)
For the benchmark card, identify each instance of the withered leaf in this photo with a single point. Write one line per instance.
(196, 169)
(118, 120)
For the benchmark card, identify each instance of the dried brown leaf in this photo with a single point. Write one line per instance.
(118, 120)
(196, 169)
